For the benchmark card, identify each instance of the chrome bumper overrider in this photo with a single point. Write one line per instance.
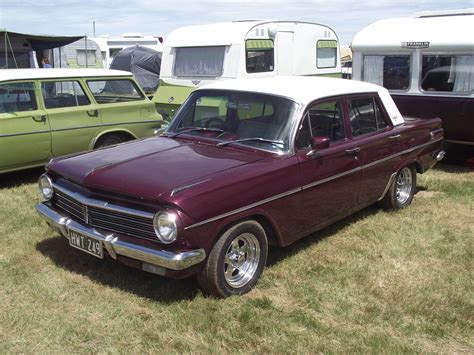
(115, 246)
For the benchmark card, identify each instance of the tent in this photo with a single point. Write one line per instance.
(143, 62)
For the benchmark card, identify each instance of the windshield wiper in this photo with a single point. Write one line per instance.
(194, 130)
(222, 144)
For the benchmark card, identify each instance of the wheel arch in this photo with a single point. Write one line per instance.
(122, 131)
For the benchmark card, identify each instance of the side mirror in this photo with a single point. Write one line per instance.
(318, 143)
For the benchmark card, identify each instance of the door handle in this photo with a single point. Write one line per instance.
(93, 113)
(396, 137)
(41, 118)
(353, 151)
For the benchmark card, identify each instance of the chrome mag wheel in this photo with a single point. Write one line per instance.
(241, 260)
(404, 185)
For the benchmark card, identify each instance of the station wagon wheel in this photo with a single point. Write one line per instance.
(236, 261)
(402, 190)
(109, 139)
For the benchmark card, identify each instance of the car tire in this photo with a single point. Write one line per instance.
(109, 139)
(236, 261)
(402, 190)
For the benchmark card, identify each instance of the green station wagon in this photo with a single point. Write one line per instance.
(46, 113)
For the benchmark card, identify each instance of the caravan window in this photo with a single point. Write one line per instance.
(17, 97)
(326, 54)
(448, 73)
(390, 71)
(85, 57)
(199, 61)
(259, 55)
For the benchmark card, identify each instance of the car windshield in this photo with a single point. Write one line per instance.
(260, 121)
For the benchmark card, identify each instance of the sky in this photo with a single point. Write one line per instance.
(160, 17)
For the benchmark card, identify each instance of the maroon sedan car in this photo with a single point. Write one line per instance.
(244, 164)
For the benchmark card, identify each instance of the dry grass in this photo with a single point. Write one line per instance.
(376, 282)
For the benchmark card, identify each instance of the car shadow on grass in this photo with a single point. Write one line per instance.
(452, 168)
(17, 178)
(111, 273)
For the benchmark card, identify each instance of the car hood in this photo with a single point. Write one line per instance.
(151, 168)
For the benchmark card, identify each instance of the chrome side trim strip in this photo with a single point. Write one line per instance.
(459, 142)
(91, 202)
(242, 209)
(23, 133)
(313, 184)
(103, 125)
(115, 246)
(389, 183)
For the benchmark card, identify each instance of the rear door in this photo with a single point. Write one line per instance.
(378, 144)
(331, 176)
(25, 137)
(74, 119)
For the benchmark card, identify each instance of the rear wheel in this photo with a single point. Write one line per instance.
(236, 261)
(402, 190)
(109, 139)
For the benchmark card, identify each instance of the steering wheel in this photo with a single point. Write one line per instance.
(215, 120)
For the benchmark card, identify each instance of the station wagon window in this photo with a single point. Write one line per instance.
(448, 73)
(259, 55)
(114, 91)
(389, 71)
(199, 61)
(366, 116)
(58, 94)
(17, 97)
(86, 57)
(322, 120)
(326, 54)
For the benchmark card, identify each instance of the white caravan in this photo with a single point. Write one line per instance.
(427, 64)
(196, 55)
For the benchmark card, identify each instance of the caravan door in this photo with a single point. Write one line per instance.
(285, 53)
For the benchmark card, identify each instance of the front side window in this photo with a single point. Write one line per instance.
(259, 55)
(326, 54)
(366, 116)
(114, 91)
(85, 57)
(17, 97)
(58, 94)
(322, 120)
(199, 61)
(234, 116)
(389, 71)
(448, 73)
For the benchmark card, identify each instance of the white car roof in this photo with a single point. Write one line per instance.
(53, 73)
(306, 89)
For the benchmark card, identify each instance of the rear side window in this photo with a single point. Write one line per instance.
(326, 54)
(17, 97)
(260, 55)
(114, 91)
(448, 73)
(199, 61)
(389, 71)
(57, 94)
(366, 116)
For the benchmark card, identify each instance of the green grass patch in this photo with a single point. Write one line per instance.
(376, 282)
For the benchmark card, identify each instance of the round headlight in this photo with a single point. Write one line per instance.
(165, 227)
(45, 186)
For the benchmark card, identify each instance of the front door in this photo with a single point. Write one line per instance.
(74, 119)
(25, 137)
(331, 176)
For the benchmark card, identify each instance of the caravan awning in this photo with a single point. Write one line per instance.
(39, 42)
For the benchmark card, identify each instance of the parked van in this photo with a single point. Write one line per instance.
(427, 64)
(198, 55)
(46, 113)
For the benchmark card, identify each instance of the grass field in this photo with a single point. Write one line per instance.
(375, 282)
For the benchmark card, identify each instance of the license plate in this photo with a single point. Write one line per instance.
(86, 244)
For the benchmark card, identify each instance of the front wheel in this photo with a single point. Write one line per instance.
(236, 261)
(402, 190)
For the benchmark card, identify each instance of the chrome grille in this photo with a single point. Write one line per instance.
(105, 218)
(69, 205)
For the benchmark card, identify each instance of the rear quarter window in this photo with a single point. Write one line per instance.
(114, 91)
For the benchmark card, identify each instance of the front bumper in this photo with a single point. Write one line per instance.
(116, 247)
